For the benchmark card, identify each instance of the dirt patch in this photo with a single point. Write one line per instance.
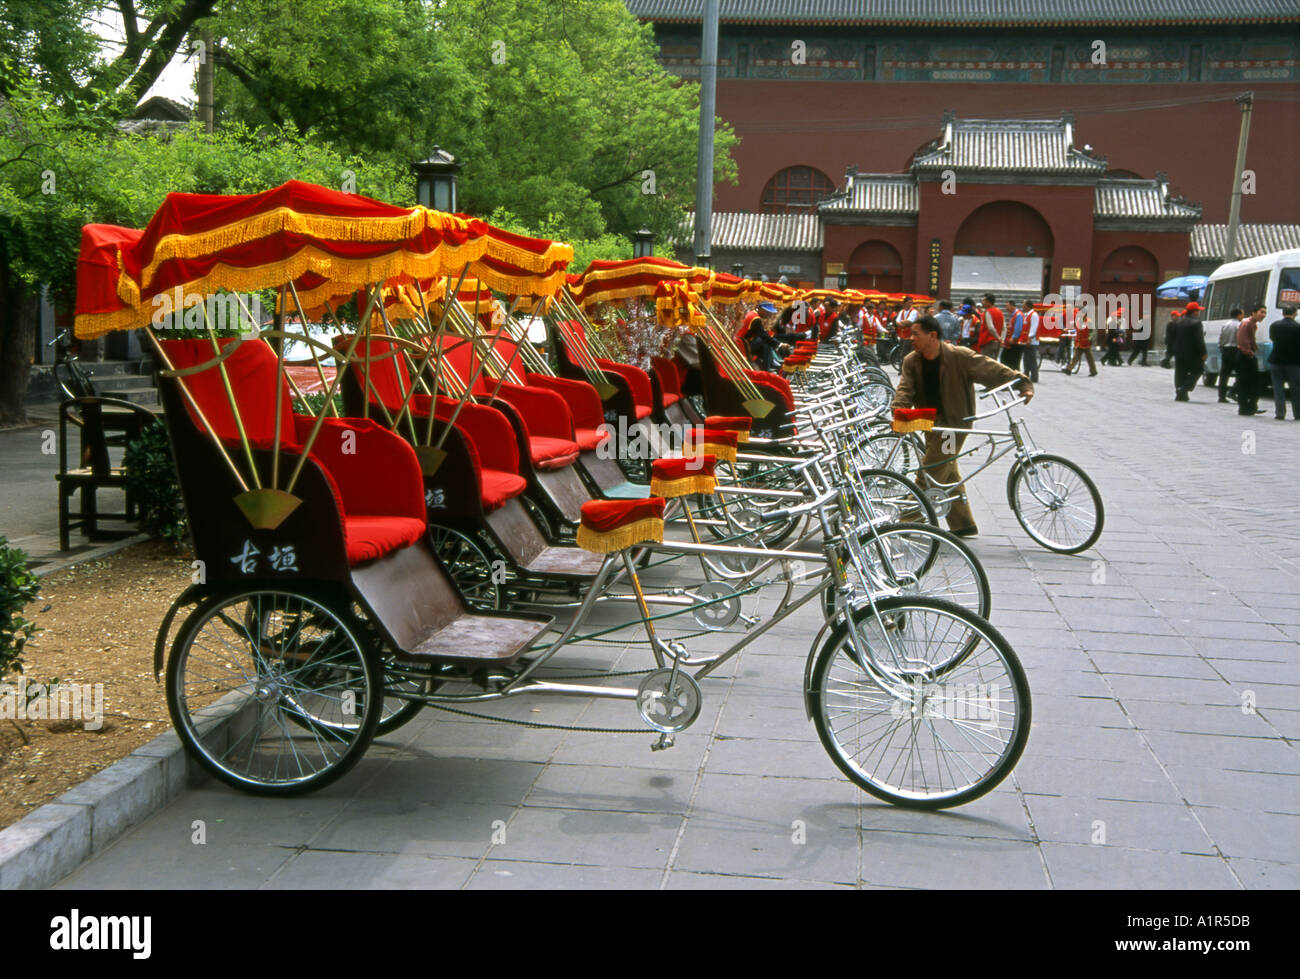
(99, 620)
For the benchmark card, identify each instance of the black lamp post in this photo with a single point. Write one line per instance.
(844, 280)
(435, 180)
(643, 243)
(738, 270)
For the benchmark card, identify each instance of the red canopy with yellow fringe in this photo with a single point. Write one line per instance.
(729, 289)
(610, 281)
(328, 243)
(200, 244)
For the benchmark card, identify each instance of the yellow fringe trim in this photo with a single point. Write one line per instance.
(670, 488)
(327, 226)
(794, 368)
(516, 284)
(915, 425)
(344, 274)
(529, 261)
(612, 295)
(88, 326)
(647, 531)
(725, 453)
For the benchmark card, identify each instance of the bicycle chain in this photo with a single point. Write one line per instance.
(539, 724)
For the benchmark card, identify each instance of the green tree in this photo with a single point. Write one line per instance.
(66, 169)
(56, 44)
(558, 107)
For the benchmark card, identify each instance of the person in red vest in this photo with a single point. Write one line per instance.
(992, 327)
(903, 321)
(829, 322)
(754, 329)
(1082, 344)
(871, 325)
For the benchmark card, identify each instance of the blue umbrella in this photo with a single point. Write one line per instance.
(1183, 287)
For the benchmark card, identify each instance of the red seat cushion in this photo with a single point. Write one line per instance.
(913, 419)
(611, 525)
(741, 425)
(673, 477)
(589, 439)
(498, 487)
(371, 537)
(552, 453)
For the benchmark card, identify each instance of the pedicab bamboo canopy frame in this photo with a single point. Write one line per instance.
(682, 296)
(331, 244)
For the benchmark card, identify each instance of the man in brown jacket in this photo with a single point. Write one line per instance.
(941, 376)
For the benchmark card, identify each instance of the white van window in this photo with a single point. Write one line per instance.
(1288, 287)
(1246, 291)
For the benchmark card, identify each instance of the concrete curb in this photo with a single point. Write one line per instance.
(97, 552)
(46, 845)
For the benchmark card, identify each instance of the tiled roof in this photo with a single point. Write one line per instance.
(1121, 198)
(876, 193)
(976, 13)
(1208, 240)
(1044, 145)
(739, 231)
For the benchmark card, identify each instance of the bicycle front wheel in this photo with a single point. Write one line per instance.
(937, 712)
(929, 561)
(895, 497)
(1056, 503)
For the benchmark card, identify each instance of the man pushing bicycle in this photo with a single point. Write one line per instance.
(942, 376)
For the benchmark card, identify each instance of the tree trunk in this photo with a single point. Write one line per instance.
(19, 308)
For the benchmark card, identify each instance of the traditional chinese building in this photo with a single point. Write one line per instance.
(837, 104)
(1008, 206)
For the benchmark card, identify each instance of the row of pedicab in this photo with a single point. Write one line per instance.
(461, 504)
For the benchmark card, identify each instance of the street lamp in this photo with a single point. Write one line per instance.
(844, 280)
(435, 180)
(643, 243)
(738, 270)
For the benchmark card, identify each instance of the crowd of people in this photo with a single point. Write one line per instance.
(980, 343)
(1016, 335)
(1240, 378)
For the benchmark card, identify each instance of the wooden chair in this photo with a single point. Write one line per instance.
(95, 417)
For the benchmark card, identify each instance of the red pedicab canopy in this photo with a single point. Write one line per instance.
(609, 281)
(200, 244)
(329, 242)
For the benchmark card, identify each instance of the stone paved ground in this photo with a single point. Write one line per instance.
(1140, 655)
(29, 502)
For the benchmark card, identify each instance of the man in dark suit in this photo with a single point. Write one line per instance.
(1188, 348)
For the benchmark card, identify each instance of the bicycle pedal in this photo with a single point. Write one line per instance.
(665, 742)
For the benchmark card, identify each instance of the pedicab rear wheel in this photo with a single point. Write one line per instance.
(272, 692)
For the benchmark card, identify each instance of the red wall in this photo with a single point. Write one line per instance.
(1170, 251)
(877, 126)
(842, 240)
(1067, 211)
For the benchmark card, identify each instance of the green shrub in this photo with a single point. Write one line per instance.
(312, 402)
(18, 587)
(154, 486)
